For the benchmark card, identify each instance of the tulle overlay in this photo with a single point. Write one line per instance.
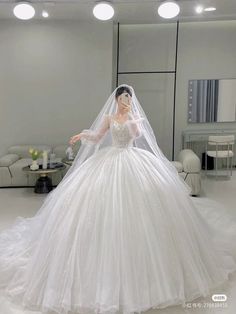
(119, 235)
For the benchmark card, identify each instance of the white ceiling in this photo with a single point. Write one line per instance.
(126, 11)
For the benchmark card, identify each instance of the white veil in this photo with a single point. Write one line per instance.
(146, 140)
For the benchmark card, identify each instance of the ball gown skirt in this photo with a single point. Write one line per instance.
(120, 236)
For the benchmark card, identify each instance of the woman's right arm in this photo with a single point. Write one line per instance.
(93, 136)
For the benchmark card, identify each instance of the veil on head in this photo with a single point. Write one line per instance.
(146, 140)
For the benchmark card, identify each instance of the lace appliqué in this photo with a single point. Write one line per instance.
(121, 136)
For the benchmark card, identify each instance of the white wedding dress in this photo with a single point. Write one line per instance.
(121, 237)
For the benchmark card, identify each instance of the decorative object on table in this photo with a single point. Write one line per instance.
(45, 159)
(52, 159)
(70, 153)
(35, 154)
(34, 166)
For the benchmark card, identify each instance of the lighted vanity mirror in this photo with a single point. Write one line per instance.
(211, 100)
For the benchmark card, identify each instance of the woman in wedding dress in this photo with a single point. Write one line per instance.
(120, 232)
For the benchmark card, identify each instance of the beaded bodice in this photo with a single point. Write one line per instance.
(121, 136)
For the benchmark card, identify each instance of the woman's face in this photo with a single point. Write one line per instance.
(124, 102)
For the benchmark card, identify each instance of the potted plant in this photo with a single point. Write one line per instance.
(35, 154)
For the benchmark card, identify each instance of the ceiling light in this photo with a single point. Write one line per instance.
(168, 9)
(103, 11)
(210, 9)
(24, 11)
(199, 9)
(45, 14)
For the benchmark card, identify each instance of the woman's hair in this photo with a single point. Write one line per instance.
(123, 89)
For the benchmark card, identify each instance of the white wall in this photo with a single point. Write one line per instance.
(227, 100)
(54, 78)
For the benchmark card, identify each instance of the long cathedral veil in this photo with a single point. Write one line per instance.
(146, 140)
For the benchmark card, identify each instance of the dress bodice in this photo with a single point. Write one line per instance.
(121, 136)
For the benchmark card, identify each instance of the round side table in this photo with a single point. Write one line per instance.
(44, 183)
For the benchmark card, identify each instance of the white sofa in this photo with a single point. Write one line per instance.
(17, 157)
(188, 165)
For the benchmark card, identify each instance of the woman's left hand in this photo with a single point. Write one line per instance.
(127, 108)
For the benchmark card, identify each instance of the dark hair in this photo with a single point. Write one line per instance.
(122, 89)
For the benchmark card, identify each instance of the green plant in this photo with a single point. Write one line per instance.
(35, 154)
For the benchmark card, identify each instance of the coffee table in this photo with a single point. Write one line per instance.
(44, 183)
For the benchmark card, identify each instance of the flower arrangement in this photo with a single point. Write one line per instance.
(35, 154)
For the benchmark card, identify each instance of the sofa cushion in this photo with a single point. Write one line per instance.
(7, 160)
(19, 177)
(183, 175)
(177, 165)
(22, 162)
(5, 176)
(23, 150)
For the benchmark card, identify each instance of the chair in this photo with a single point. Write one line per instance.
(223, 149)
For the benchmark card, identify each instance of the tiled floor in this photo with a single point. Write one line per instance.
(24, 202)
(221, 189)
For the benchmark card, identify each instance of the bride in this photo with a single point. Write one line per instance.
(120, 232)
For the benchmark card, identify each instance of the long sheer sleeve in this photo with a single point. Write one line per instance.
(135, 125)
(95, 136)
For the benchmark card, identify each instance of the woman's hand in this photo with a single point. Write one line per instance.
(126, 108)
(75, 139)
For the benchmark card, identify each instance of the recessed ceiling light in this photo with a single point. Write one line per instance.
(24, 11)
(45, 14)
(168, 9)
(103, 11)
(199, 9)
(210, 9)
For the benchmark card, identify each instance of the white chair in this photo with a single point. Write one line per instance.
(223, 149)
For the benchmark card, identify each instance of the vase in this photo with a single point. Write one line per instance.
(34, 165)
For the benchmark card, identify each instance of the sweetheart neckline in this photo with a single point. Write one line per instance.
(119, 122)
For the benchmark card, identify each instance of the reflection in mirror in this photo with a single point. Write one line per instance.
(212, 100)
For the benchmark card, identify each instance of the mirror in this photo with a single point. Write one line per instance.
(212, 100)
